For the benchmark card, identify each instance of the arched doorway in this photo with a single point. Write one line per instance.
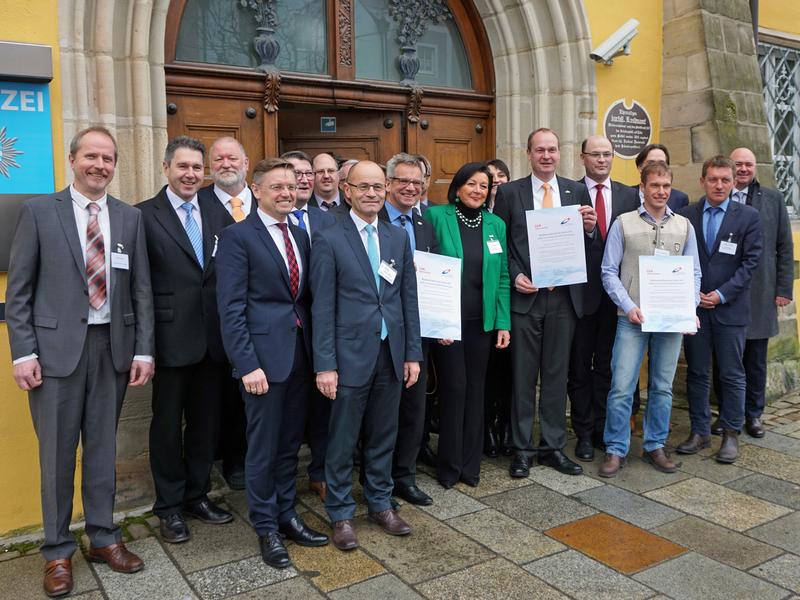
(338, 82)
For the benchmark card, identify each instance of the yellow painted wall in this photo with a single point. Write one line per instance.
(780, 15)
(634, 77)
(32, 22)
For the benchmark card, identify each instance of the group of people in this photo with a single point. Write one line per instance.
(285, 311)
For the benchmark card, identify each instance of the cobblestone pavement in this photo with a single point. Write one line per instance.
(708, 531)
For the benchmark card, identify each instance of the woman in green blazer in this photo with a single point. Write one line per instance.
(466, 230)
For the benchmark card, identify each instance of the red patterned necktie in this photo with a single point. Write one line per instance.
(294, 269)
(600, 209)
(95, 259)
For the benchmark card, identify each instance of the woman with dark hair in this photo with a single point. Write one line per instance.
(466, 230)
(500, 175)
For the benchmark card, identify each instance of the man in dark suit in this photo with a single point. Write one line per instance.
(366, 345)
(80, 324)
(590, 359)
(403, 188)
(265, 317)
(654, 153)
(543, 320)
(770, 288)
(191, 367)
(326, 194)
(730, 240)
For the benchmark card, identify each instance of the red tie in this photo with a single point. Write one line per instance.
(600, 208)
(294, 269)
(95, 259)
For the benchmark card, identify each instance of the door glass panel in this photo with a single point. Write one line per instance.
(221, 32)
(442, 58)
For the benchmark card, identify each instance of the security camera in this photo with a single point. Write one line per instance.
(617, 43)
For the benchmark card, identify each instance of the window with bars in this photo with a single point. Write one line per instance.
(780, 70)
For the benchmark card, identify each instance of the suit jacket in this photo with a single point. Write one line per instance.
(208, 191)
(775, 273)
(343, 204)
(510, 204)
(47, 296)
(496, 298)
(729, 273)
(676, 201)
(319, 219)
(623, 199)
(423, 232)
(184, 294)
(347, 305)
(258, 314)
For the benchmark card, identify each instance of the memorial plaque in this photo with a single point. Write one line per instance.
(628, 127)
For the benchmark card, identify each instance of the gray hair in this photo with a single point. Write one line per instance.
(183, 141)
(403, 159)
(345, 164)
(227, 138)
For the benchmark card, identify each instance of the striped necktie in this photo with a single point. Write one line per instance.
(193, 231)
(95, 258)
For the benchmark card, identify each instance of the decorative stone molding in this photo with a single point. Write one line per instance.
(272, 91)
(344, 23)
(415, 104)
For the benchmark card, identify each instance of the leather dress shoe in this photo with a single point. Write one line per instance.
(320, 488)
(208, 512)
(412, 494)
(273, 552)
(234, 477)
(660, 460)
(584, 450)
(427, 456)
(344, 536)
(611, 465)
(471, 481)
(117, 557)
(520, 467)
(390, 522)
(58, 577)
(754, 427)
(716, 427)
(729, 450)
(559, 461)
(693, 444)
(173, 529)
(296, 530)
(491, 445)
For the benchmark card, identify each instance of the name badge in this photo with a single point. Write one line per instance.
(387, 271)
(119, 261)
(727, 247)
(660, 252)
(494, 247)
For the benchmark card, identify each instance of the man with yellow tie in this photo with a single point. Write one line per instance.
(228, 164)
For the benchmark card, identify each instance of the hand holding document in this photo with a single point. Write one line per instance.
(666, 294)
(555, 242)
(439, 295)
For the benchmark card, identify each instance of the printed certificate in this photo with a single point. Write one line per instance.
(555, 241)
(666, 294)
(439, 295)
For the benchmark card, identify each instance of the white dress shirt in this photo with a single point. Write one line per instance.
(361, 225)
(277, 237)
(606, 185)
(246, 196)
(177, 201)
(538, 191)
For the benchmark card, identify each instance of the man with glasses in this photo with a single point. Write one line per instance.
(326, 183)
(311, 216)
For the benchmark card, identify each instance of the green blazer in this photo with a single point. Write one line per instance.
(496, 291)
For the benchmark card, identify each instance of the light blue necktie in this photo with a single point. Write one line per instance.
(712, 227)
(298, 214)
(374, 261)
(193, 231)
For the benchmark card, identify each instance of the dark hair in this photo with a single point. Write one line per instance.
(298, 154)
(718, 162)
(543, 130)
(270, 164)
(75, 144)
(462, 176)
(500, 166)
(183, 141)
(640, 158)
(655, 167)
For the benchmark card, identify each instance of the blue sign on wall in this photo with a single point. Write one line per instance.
(26, 139)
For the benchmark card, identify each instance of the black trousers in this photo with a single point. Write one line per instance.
(319, 414)
(233, 427)
(410, 428)
(497, 399)
(755, 370)
(462, 379)
(181, 458)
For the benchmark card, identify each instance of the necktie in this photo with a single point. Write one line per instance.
(374, 261)
(237, 213)
(547, 199)
(298, 214)
(405, 223)
(327, 205)
(294, 269)
(95, 259)
(741, 196)
(193, 231)
(600, 208)
(711, 227)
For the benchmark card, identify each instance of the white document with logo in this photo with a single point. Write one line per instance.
(666, 294)
(555, 242)
(439, 295)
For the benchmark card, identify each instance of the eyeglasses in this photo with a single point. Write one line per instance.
(597, 155)
(365, 187)
(279, 187)
(405, 182)
(304, 174)
(325, 172)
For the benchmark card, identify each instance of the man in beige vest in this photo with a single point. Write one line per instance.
(652, 230)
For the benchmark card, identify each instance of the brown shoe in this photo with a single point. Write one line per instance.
(344, 536)
(58, 577)
(611, 465)
(693, 444)
(390, 522)
(320, 488)
(117, 557)
(729, 450)
(660, 460)
(754, 427)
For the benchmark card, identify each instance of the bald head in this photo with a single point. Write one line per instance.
(366, 189)
(597, 154)
(745, 163)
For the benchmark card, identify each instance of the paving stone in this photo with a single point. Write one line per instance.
(431, 549)
(718, 504)
(159, 579)
(138, 531)
(213, 545)
(21, 578)
(563, 484)
(96, 595)
(538, 507)
(505, 536)
(494, 479)
(6, 555)
(709, 469)
(153, 521)
(713, 541)
(616, 543)
(496, 580)
(237, 577)
(783, 532)
(446, 503)
(385, 587)
(583, 578)
(237, 500)
(775, 441)
(290, 589)
(783, 571)
(769, 462)
(629, 507)
(696, 577)
(768, 488)
(637, 476)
